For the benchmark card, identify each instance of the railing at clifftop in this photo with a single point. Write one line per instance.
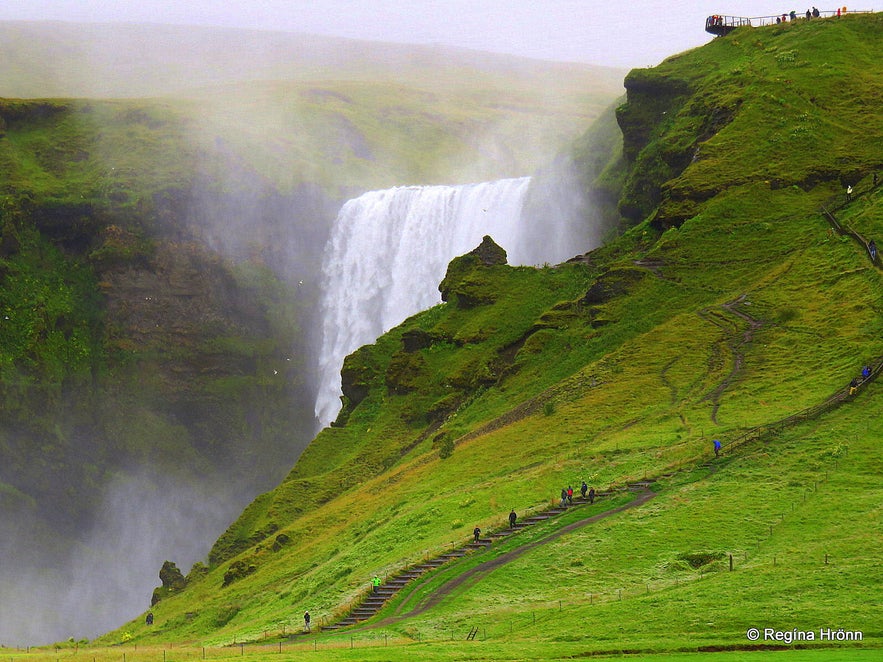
(720, 25)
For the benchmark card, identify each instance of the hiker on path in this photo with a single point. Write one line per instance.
(872, 249)
(149, 619)
(512, 518)
(853, 385)
(476, 534)
(582, 489)
(592, 495)
(376, 583)
(866, 372)
(717, 448)
(307, 621)
(569, 494)
(563, 498)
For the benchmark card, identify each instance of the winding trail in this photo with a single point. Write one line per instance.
(478, 572)
(663, 376)
(373, 602)
(736, 341)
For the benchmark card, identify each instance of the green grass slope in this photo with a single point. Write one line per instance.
(730, 305)
(159, 256)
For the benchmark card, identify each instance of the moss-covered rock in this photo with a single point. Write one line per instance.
(405, 372)
(612, 284)
(172, 581)
(237, 570)
(358, 373)
(463, 284)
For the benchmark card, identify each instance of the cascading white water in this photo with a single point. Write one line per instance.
(390, 249)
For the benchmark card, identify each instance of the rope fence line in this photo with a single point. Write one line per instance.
(757, 433)
(838, 202)
(495, 628)
(847, 392)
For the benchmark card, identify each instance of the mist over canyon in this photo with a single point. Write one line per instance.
(171, 265)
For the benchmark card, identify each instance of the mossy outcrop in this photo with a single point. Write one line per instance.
(463, 284)
(172, 580)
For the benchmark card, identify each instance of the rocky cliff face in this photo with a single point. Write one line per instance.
(653, 102)
(149, 359)
(666, 118)
(181, 338)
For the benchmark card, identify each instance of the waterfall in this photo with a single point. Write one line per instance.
(389, 250)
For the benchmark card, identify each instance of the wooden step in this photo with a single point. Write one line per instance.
(453, 555)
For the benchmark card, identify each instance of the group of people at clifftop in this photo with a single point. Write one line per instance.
(716, 20)
(810, 14)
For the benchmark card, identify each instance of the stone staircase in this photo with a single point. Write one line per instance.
(375, 601)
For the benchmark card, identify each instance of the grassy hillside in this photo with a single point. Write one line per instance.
(730, 305)
(159, 262)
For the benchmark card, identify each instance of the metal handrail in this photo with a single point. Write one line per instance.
(732, 22)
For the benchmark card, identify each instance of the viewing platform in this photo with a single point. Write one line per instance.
(720, 25)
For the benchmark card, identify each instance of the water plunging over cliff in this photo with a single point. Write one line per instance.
(390, 249)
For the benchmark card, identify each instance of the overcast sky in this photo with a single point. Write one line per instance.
(631, 33)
